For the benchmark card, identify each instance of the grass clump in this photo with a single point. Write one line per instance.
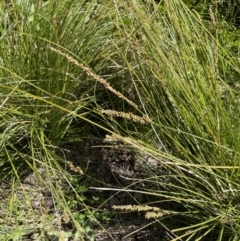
(81, 70)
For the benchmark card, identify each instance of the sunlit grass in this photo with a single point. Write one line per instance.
(160, 78)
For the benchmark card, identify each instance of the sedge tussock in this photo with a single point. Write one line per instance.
(96, 77)
(128, 116)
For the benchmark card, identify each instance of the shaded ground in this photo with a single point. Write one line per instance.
(104, 166)
(117, 167)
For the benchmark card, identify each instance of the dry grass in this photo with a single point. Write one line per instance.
(96, 77)
(128, 116)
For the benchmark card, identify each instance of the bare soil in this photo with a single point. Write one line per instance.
(107, 167)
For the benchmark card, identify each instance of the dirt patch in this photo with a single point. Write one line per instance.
(108, 168)
(117, 166)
